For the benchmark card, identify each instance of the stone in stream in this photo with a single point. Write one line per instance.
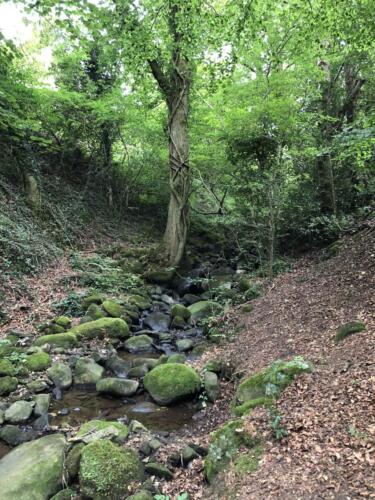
(211, 386)
(203, 309)
(138, 343)
(112, 308)
(118, 366)
(172, 382)
(38, 361)
(190, 299)
(38, 385)
(179, 322)
(19, 412)
(95, 298)
(99, 429)
(167, 299)
(181, 311)
(117, 386)
(65, 340)
(14, 436)
(138, 371)
(95, 312)
(61, 375)
(110, 327)
(108, 471)
(42, 423)
(157, 321)
(42, 402)
(145, 407)
(33, 471)
(8, 384)
(141, 302)
(177, 357)
(87, 372)
(184, 345)
(149, 362)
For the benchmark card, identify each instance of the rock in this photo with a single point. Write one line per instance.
(136, 427)
(111, 327)
(141, 495)
(66, 494)
(160, 276)
(95, 312)
(14, 436)
(172, 382)
(118, 366)
(150, 363)
(73, 459)
(184, 345)
(33, 471)
(63, 321)
(190, 299)
(211, 386)
(96, 298)
(108, 471)
(61, 375)
(38, 361)
(7, 385)
(2, 417)
(349, 329)
(117, 386)
(158, 470)
(138, 371)
(65, 340)
(87, 372)
(177, 358)
(178, 322)
(112, 308)
(42, 402)
(37, 385)
(139, 301)
(138, 343)
(19, 412)
(6, 367)
(157, 321)
(42, 423)
(203, 309)
(167, 299)
(181, 311)
(99, 429)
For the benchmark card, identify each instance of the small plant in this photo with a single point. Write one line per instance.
(69, 306)
(278, 430)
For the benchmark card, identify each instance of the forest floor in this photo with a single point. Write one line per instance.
(329, 415)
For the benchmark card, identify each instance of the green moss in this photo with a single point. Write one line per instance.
(7, 385)
(138, 343)
(66, 494)
(247, 308)
(245, 408)
(112, 308)
(95, 312)
(180, 311)
(139, 301)
(99, 425)
(348, 329)
(171, 382)
(95, 298)
(244, 284)
(160, 276)
(271, 381)
(111, 327)
(6, 367)
(177, 358)
(203, 309)
(38, 361)
(247, 463)
(108, 471)
(224, 444)
(67, 339)
(63, 321)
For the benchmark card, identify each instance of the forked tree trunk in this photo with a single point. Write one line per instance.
(178, 211)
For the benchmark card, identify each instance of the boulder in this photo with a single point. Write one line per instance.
(203, 309)
(141, 302)
(42, 402)
(73, 459)
(86, 371)
(160, 276)
(95, 298)
(63, 321)
(177, 358)
(118, 366)
(211, 386)
(37, 385)
(95, 312)
(190, 299)
(108, 471)
(33, 471)
(8, 384)
(184, 345)
(61, 375)
(38, 361)
(158, 470)
(19, 412)
(14, 436)
(181, 311)
(157, 321)
(6, 367)
(112, 308)
(138, 371)
(99, 429)
(138, 343)
(172, 382)
(65, 340)
(117, 386)
(111, 327)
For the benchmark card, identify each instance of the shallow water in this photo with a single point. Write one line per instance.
(86, 405)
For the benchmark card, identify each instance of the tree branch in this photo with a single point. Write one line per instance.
(159, 76)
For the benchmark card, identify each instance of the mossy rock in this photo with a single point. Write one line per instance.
(61, 375)
(38, 361)
(246, 463)
(53, 328)
(244, 284)
(65, 340)
(86, 371)
(6, 368)
(119, 387)
(111, 327)
(95, 298)
(178, 310)
(271, 381)
(97, 429)
(73, 459)
(138, 343)
(203, 309)
(246, 408)
(108, 471)
(63, 321)
(112, 308)
(160, 276)
(139, 301)
(224, 444)
(141, 495)
(65, 494)
(95, 312)
(172, 382)
(348, 329)
(177, 357)
(8, 384)
(158, 470)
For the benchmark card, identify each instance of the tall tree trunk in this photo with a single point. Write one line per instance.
(178, 211)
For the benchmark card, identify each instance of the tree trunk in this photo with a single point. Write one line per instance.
(178, 211)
